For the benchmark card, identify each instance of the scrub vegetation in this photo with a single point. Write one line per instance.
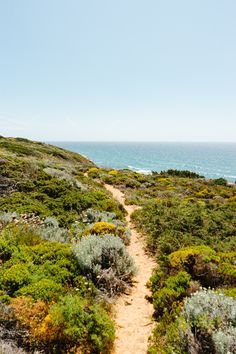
(63, 256)
(62, 252)
(189, 224)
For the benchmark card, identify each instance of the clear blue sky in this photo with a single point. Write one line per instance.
(143, 70)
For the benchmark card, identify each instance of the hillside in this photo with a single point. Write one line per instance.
(64, 258)
(62, 252)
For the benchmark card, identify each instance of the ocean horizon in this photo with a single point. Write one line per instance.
(210, 159)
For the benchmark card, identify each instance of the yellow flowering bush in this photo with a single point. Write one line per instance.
(102, 228)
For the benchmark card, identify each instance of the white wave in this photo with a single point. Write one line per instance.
(145, 171)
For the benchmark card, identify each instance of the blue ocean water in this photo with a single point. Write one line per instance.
(213, 160)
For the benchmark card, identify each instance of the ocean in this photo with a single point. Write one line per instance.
(212, 160)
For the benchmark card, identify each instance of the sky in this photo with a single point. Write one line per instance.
(124, 70)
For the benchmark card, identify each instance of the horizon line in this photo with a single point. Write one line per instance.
(141, 141)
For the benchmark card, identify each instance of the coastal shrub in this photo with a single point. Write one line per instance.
(184, 256)
(102, 228)
(6, 250)
(113, 172)
(173, 224)
(54, 234)
(22, 234)
(105, 260)
(13, 278)
(51, 251)
(30, 314)
(172, 292)
(63, 175)
(7, 218)
(92, 215)
(93, 172)
(179, 275)
(40, 270)
(231, 292)
(44, 289)
(205, 265)
(47, 196)
(220, 181)
(77, 322)
(180, 173)
(16, 148)
(208, 323)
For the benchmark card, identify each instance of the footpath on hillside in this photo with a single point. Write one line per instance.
(133, 313)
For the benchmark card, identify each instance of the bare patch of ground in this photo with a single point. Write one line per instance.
(133, 313)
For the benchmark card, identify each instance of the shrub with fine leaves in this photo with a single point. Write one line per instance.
(208, 323)
(105, 260)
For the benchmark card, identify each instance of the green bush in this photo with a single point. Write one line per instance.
(15, 277)
(48, 196)
(180, 274)
(175, 224)
(220, 182)
(45, 289)
(180, 173)
(172, 292)
(82, 324)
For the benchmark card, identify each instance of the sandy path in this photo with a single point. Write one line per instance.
(133, 311)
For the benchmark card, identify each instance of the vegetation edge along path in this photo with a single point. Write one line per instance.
(133, 313)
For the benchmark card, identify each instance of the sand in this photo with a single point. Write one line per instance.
(133, 313)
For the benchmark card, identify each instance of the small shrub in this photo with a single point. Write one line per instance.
(209, 323)
(77, 322)
(105, 260)
(173, 291)
(184, 256)
(54, 234)
(220, 182)
(180, 173)
(102, 228)
(93, 172)
(15, 277)
(113, 172)
(30, 314)
(45, 289)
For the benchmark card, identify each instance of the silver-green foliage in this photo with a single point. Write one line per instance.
(63, 175)
(105, 260)
(6, 218)
(50, 231)
(209, 323)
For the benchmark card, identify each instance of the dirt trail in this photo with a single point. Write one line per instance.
(133, 312)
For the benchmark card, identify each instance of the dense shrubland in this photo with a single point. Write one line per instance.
(43, 286)
(190, 227)
(172, 224)
(183, 185)
(62, 252)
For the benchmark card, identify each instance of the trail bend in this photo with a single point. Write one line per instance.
(133, 313)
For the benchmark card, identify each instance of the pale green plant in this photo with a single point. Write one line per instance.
(105, 260)
(208, 323)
